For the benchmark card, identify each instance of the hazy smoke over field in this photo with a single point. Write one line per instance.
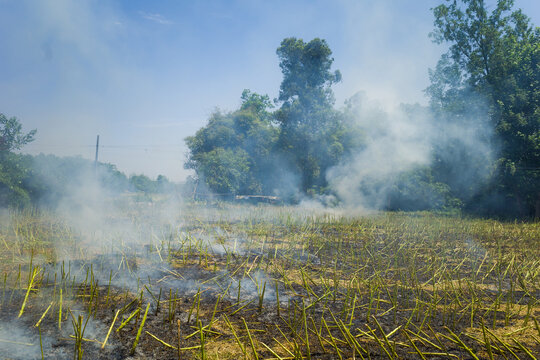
(401, 140)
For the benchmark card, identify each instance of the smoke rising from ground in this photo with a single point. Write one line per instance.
(408, 138)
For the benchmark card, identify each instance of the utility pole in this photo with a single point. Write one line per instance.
(97, 149)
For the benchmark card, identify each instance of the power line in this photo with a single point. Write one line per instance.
(142, 146)
(103, 146)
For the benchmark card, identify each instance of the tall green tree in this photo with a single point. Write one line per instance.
(494, 56)
(307, 78)
(311, 129)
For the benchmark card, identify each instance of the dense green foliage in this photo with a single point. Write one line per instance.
(254, 151)
(232, 153)
(485, 89)
(494, 58)
(312, 135)
(13, 169)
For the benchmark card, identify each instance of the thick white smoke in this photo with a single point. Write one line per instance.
(405, 138)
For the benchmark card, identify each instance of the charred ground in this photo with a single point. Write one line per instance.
(267, 282)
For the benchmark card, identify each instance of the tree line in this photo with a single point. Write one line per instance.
(285, 147)
(45, 180)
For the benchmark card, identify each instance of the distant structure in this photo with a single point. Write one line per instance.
(258, 199)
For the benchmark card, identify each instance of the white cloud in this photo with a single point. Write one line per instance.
(155, 17)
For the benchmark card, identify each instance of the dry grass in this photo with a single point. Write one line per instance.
(271, 282)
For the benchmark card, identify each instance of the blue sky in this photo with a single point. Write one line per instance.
(146, 74)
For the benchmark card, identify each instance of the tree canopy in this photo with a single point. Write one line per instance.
(494, 58)
(311, 131)
(231, 153)
(486, 87)
(306, 73)
(12, 166)
(11, 134)
(254, 150)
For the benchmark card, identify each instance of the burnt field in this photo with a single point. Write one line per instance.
(261, 282)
